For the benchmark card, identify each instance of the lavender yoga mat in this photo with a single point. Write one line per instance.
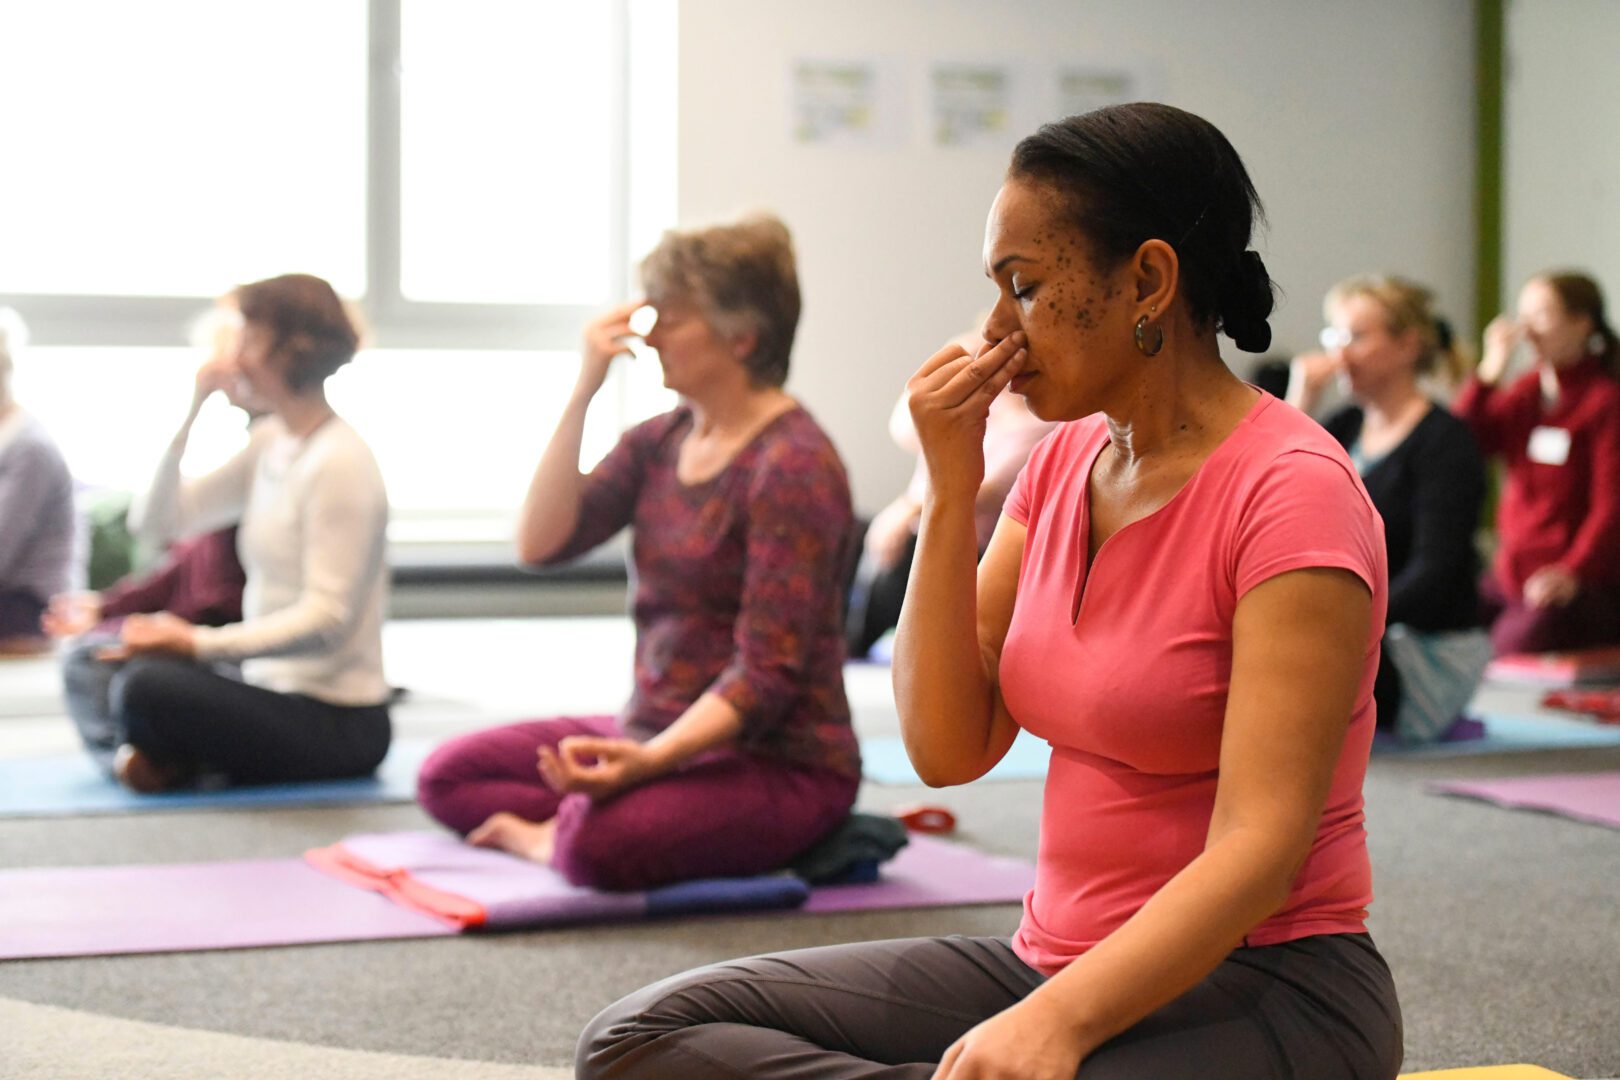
(1591, 797)
(511, 894)
(101, 910)
(83, 911)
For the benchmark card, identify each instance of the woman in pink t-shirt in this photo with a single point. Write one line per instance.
(1185, 597)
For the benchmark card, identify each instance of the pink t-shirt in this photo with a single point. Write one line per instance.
(1125, 671)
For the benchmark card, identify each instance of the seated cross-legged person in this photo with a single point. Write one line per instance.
(1555, 581)
(1424, 472)
(311, 702)
(1184, 597)
(36, 513)
(735, 753)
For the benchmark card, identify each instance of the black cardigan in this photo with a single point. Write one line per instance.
(1429, 490)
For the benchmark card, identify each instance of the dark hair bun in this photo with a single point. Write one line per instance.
(1246, 302)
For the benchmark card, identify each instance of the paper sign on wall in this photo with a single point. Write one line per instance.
(972, 104)
(851, 101)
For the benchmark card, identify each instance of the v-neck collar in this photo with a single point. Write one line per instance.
(1088, 564)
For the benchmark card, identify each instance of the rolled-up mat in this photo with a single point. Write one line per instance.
(1590, 797)
(83, 911)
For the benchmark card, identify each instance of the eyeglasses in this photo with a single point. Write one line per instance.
(1332, 337)
(1336, 337)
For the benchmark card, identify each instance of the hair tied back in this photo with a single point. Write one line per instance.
(1247, 304)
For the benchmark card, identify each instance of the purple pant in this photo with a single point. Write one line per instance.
(1590, 620)
(723, 814)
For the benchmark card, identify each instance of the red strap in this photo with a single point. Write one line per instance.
(398, 885)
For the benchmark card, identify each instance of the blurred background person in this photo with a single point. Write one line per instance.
(36, 511)
(735, 753)
(311, 703)
(1555, 581)
(200, 579)
(1425, 474)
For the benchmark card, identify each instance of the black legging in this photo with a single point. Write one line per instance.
(180, 713)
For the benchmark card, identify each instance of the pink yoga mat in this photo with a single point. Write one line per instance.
(1592, 797)
(85, 911)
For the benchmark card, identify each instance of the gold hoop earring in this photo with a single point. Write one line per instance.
(1141, 337)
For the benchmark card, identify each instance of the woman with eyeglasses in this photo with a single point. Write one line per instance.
(1423, 470)
(1555, 582)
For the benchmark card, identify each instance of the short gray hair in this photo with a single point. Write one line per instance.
(742, 277)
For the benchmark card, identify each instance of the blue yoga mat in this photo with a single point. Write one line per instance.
(70, 785)
(1507, 733)
(884, 761)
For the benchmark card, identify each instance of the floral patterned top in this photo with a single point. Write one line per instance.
(737, 583)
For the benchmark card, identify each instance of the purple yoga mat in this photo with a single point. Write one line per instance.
(1593, 797)
(96, 910)
(513, 893)
(85, 911)
(926, 873)
(932, 873)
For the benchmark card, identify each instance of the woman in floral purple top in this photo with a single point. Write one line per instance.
(735, 753)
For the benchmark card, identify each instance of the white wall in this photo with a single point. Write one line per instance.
(1561, 142)
(1354, 119)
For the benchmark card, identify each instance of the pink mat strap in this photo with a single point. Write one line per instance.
(398, 885)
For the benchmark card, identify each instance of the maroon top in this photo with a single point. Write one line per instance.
(1564, 514)
(201, 581)
(737, 584)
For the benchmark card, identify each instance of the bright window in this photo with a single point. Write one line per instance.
(479, 176)
(508, 147)
(175, 147)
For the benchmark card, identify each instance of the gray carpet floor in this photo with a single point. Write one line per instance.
(1501, 927)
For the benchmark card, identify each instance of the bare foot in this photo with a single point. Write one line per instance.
(532, 840)
(138, 772)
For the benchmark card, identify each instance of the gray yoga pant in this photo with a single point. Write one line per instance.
(1320, 1008)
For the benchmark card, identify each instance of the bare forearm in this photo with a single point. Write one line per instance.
(1304, 393)
(551, 507)
(943, 691)
(155, 514)
(711, 721)
(1177, 938)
